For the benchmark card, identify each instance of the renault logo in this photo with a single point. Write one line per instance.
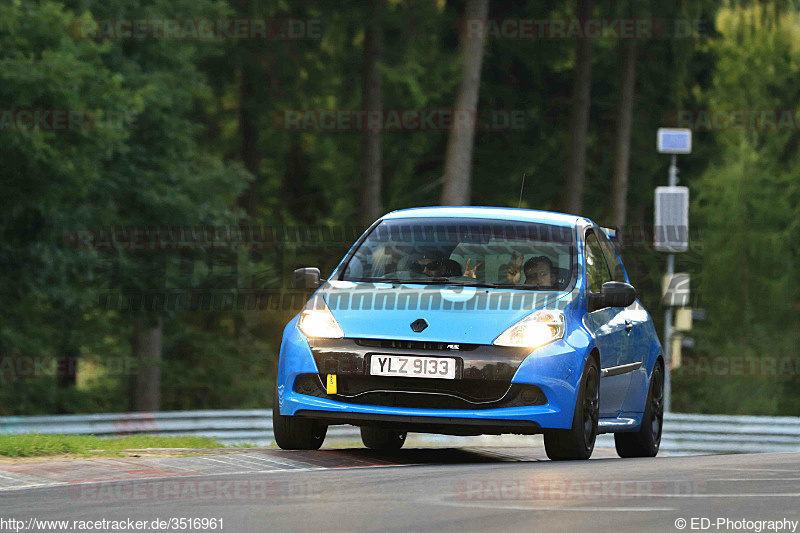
(418, 325)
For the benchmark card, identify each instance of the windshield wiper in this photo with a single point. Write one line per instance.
(385, 280)
(459, 282)
(471, 283)
(429, 281)
(475, 283)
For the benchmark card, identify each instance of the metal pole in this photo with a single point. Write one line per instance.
(673, 171)
(673, 181)
(668, 342)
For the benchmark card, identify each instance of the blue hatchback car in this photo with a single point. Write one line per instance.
(470, 321)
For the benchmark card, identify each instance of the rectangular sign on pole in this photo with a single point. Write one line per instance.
(674, 141)
(675, 290)
(675, 352)
(683, 319)
(671, 230)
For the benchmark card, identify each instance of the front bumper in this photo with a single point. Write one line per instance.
(554, 370)
(427, 424)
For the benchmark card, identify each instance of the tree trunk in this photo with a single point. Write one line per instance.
(146, 382)
(579, 118)
(248, 129)
(622, 152)
(67, 364)
(458, 156)
(371, 100)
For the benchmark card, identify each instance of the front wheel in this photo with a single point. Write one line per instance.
(382, 439)
(646, 441)
(578, 442)
(294, 433)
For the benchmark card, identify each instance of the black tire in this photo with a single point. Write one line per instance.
(646, 441)
(295, 433)
(577, 443)
(382, 439)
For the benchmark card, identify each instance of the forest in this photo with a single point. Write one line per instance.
(167, 164)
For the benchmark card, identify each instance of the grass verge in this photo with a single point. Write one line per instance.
(38, 445)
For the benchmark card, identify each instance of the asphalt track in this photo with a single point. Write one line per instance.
(442, 489)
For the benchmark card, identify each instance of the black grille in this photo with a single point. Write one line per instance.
(415, 345)
(471, 390)
(423, 393)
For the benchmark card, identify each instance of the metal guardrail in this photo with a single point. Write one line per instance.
(683, 433)
(690, 433)
(241, 426)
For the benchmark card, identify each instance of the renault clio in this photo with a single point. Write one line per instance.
(470, 321)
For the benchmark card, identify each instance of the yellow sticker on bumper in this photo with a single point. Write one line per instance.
(330, 384)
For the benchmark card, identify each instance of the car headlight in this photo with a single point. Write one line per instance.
(320, 323)
(537, 329)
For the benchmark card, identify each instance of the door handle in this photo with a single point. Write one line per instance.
(628, 326)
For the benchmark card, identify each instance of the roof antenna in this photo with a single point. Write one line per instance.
(521, 188)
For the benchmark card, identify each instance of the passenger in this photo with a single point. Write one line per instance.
(433, 267)
(452, 269)
(539, 271)
(470, 272)
(446, 268)
(514, 268)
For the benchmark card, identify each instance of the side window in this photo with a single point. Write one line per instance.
(596, 268)
(617, 272)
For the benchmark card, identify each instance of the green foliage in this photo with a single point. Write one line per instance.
(219, 361)
(39, 445)
(747, 204)
(145, 169)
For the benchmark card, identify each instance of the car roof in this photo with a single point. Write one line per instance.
(495, 213)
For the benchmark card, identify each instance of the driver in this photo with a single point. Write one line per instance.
(441, 268)
(434, 268)
(539, 271)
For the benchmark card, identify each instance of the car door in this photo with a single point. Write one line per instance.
(634, 316)
(608, 327)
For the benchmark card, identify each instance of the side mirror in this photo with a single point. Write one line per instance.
(612, 294)
(307, 278)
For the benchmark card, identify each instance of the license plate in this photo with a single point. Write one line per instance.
(413, 367)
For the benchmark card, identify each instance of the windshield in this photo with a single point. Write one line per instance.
(477, 252)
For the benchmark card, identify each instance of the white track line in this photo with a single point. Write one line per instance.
(189, 476)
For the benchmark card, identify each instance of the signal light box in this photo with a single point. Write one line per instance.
(672, 219)
(674, 141)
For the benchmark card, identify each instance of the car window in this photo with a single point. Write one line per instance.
(500, 253)
(597, 271)
(617, 272)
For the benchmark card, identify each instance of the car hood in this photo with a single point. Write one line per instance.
(467, 315)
